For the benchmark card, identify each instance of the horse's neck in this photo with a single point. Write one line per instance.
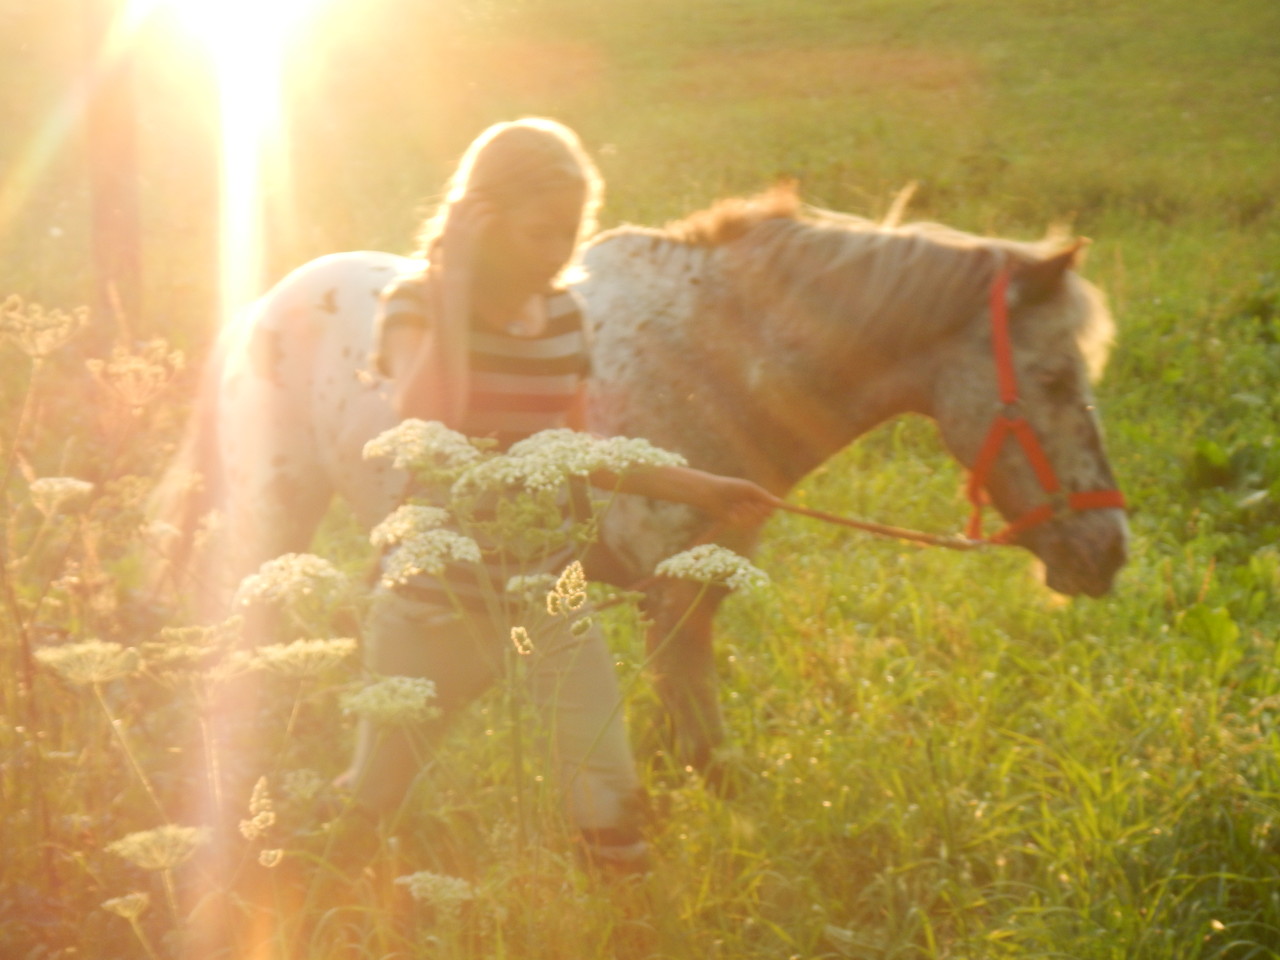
(693, 355)
(824, 380)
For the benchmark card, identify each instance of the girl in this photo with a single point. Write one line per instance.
(489, 341)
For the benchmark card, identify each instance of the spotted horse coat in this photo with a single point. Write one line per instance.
(757, 343)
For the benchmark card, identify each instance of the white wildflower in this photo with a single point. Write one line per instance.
(531, 586)
(270, 858)
(405, 522)
(545, 460)
(304, 658)
(180, 655)
(627, 453)
(521, 641)
(130, 906)
(162, 848)
(504, 473)
(35, 332)
(302, 785)
(233, 664)
(92, 661)
(579, 454)
(52, 495)
(428, 552)
(572, 451)
(447, 894)
(570, 592)
(137, 379)
(393, 701)
(422, 445)
(291, 577)
(712, 563)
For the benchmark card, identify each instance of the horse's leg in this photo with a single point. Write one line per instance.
(267, 516)
(372, 487)
(682, 664)
(266, 513)
(275, 488)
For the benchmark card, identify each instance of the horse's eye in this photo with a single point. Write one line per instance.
(1059, 385)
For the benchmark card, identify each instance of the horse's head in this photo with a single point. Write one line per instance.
(1014, 403)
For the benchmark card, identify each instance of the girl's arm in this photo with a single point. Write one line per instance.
(728, 499)
(430, 366)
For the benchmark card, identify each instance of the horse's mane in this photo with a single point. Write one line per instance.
(729, 219)
(789, 249)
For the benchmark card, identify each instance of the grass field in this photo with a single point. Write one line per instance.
(939, 757)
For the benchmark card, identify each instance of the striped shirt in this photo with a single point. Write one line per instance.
(519, 385)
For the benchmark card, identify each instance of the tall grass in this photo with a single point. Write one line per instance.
(936, 757)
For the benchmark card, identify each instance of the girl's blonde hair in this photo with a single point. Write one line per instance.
(514, 160)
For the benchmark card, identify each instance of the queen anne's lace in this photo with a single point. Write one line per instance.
(405, 522)
(579, 453)
(446, 894)
(304, 658)
(712, 563)
(52, 495)
(130, 906)
(422, 445)
(292, 576)
(137, 379)
(531, 587)
(34, 331)
(393, 701)
(546, 459)
(92, 661)
(428, 552)
(303, 785)
(162, 848)
(505, 472)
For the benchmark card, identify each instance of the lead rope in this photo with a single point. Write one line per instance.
(884, 530)
(878, 529)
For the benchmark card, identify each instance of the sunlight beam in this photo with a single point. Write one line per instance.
(246, 41)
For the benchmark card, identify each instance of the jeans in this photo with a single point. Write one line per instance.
(571, 683)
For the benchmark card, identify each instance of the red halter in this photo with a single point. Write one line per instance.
(1011, 421)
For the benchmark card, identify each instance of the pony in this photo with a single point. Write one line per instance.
(757, 338)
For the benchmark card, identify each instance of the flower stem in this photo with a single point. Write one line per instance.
(129, 755)
(517, 758)
(142, 938)
(171, 895)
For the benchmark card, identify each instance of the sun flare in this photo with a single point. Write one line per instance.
(247, 41)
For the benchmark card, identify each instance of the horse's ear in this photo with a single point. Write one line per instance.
(1036, 280)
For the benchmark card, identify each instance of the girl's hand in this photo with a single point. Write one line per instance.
(740, 502)
(467, 222)
(728, 499)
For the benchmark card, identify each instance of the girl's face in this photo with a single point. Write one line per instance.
(531, 242)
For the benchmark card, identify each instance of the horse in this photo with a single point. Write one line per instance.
(757, 338)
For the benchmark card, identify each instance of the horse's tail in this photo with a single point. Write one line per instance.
(182, 509)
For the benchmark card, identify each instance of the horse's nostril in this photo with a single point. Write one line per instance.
(1117, 553)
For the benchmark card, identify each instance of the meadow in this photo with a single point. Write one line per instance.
(938, 758)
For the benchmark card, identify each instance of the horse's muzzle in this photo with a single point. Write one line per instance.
(1082, 553)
